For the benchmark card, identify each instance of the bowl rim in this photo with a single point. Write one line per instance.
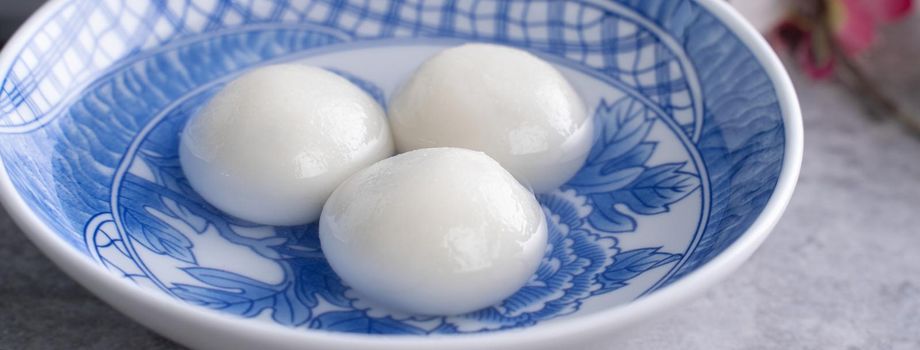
(184, 322)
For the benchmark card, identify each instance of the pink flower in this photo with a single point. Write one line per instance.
(855, 21)
(852, 24)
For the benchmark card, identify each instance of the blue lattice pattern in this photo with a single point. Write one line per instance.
(581, 32)
(101, 169)
(113, 252)
(78, 42)
(638, 58)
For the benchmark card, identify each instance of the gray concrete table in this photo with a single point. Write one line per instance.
(841, 271)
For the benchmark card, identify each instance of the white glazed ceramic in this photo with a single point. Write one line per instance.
(698, 150)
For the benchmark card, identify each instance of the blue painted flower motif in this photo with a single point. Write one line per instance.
(90, 144)
(616, 171)
(581, 260)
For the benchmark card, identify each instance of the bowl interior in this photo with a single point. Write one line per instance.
(689, 149)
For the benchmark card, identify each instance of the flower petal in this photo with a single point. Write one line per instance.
(889, 10)
(854, 24)
(816, 69)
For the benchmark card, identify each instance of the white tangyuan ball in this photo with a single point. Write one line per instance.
(503, 101)
(274, 143)
(437, 231)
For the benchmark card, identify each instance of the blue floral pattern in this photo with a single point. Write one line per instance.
(88, 135)
(616, 171)
(583, 260)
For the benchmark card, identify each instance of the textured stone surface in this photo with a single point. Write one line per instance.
(841, 271)
(41, 308)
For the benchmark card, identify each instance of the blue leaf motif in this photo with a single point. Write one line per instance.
(658, 187)
(233, 293)
(169, 175)
(358, 322)
(182, 212)
(296, 249)
(232, 302)
(629, 264)
(634, 159)
(318, 279)
(158, 236)
(617, 159)
(616, 171)
(230, 280)
(289, 309)
(314, 276)
(607, 218)
(243, 295)
(626, 124)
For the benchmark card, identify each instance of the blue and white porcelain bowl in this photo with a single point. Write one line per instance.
(700, 147)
